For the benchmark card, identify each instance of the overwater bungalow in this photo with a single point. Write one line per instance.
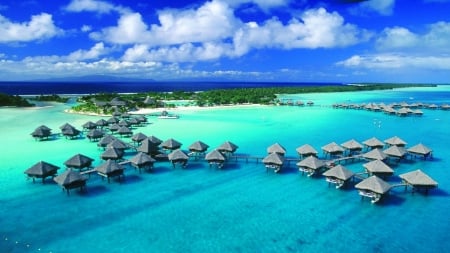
(89, 125)
(215, 158)
(42, 133)
(311, 165)
(306, 150)
(79, 161)
(123, 123)
(112, 120)
(395, 152)
(71, 180)
(178, 157)
(198, 147)
(418, 112)
(155, 140)
(105, 140)
(374, 188)
(352, 146)
(395, 141)
(118, 144)
(227, 147)
(134, 121)
(373, 143)
(124, 131)
(109, 169)
(375, 154)
(112, 153)
(114, 128)
(102, 123)
(139, 137)
(42, 170)
(142, 161)
(148, 147)
(171, 144)
(274, 161)
(70, 132)
(378, 168)
(338, 175)
(276, 148)
(418, 180)
(420, 150)
(403, 112)
(332, 149)
(95, 134)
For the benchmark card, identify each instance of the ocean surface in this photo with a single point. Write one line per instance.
(239, 208)
(38, 88)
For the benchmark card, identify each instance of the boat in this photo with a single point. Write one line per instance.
(166, 115)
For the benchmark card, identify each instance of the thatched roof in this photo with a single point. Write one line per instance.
(41, 169)
(79, 161)
(141, 159)
(106, 140)
(273, 159)
(69, 177)
(112, 153)
(228, 147)
(339, 172)
(306, 149)
(178, 155)
(114, 127)
(89, 125)
(418, 178)
(108, 167)
(276, 148)
(395, 141)
(124, 130)
(198, 146)
(352, 145)
(119, 144)
(311, 162)
(101, 122)
(215, 156)
(420, 149)
(138, 137)
(66, 126)
(374, 184)
(155, 139)
(171, 144)
(70, 131)
(112, 120)
(95, 134)
(147, 146)
(375, 154)
(41, 131)
(332, 148)
(123, 123)
(395, 151)
(378, 166)
(373, 143)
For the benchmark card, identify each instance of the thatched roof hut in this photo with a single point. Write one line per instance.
(114, 127)
(276, 148)
(379, 168)
(69, 131)
(227, 147)
(332, 149)
(89, 125)
(112, 120)
(41, 133)
(178, 157)
(395, 152)
(306, 150)
(352, 146)
(373, 143)
(42, 170)
(418, 180)
(310, 165)
(95, 134)
(70, 180)
(420, 149)
(338, 175)
(373, 187)
(79, 161)
(101, 123)
(148, 147)
(171, 144)
(142, 160)
(198, 147)
(123, 123)
(112, 153)
(105, 140)
(138, 137)
(215, 157)
(375, 154)
(395, 141)
(274, 160)
(155, 140)
(124, 131)
(110, 168)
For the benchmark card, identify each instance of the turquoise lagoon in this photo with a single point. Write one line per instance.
(240, 208)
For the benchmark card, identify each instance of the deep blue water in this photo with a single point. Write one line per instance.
(37, 88)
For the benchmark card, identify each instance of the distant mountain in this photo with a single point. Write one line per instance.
(95, 78)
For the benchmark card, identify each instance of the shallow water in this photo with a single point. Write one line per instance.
(240, 208)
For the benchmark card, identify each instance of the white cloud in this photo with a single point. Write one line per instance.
(263, 4)
(94, 53)
(397, 37)
(39, 27)
(383, 7)
(86, 28)
(101, 7)
(397, 61)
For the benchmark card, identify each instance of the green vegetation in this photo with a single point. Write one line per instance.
(9, 100)
(103, 103)
(51, 98)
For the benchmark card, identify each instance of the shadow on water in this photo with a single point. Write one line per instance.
(131, 179)
(93, 191)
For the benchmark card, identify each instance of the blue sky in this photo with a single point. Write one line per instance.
(242, 40)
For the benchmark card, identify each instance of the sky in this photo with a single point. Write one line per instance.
(347, 41)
